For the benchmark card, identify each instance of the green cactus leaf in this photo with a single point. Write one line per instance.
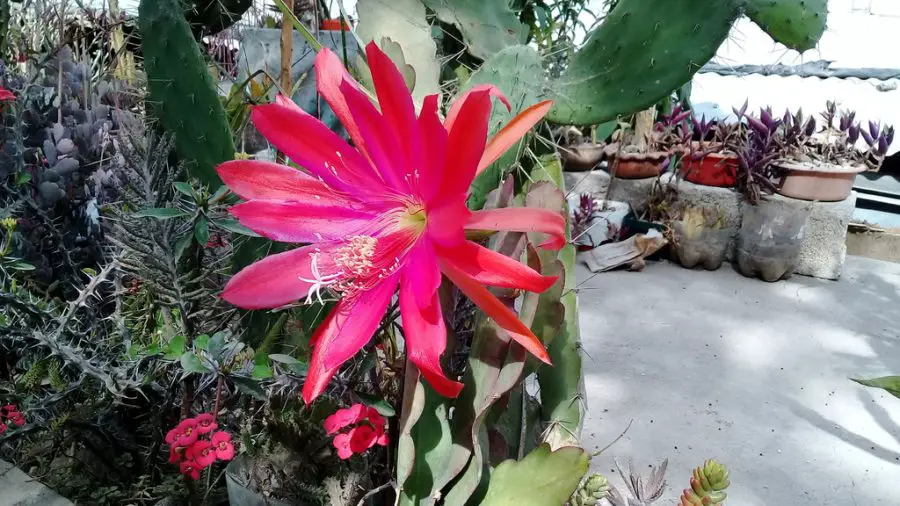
(403, 23)
(641, 52)
(798, 24)
(518, 73)
(182, 92)
(432, 436)
(487, 26)
(542, 478)
(890, 384)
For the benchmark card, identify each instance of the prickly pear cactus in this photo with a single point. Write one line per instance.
(798, 24)
(182, 91)
(708, 485)
(642, 51)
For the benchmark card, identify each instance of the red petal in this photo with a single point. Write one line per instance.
(253, 179)
(426, 338)
(330, 73)
(275, 280)
(433, 151)
(421, 272)
(512, 132)
(522, 219)
(342, 418)
(395, 102)
(362, 438)
(491, 268)
(300, 222)
(341, 443)
(344, 332)
(466, 145)
(502, 315)
(381, 141)
(446, 221)
(458, 103)
(310, 144)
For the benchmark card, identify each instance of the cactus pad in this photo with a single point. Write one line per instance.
(487, 26)
(798, 24)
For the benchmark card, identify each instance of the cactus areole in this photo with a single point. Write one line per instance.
(387, 214)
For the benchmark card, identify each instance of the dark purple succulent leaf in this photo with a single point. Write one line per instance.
(665, 165)
(882, 146)
(867, 137)
(743, 110)
(810, 126)
(681, 117)
(889, 135)
(853, 134)
(787, 119)
(852, 116)
(757, 125)
(830, 106)
(766, 117)
(844, 124)
(874, 130)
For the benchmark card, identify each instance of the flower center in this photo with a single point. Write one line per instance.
(355, 258)
(413, 217)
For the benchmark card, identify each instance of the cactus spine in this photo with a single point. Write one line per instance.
(182, 90)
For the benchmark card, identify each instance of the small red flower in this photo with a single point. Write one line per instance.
(6, 95)
(2, 428)
(15, 418)
(190, 469)
(9, 407)
(187, 432)
(341, 443)
(206, 423)
(221, 443)
(201, 452)
(344, 417)
(362, 438)
(172, 436)
(176, 454)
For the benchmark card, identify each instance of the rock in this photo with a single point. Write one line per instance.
(50, 151)
(65, 146)
(66, 165)
(50, 192)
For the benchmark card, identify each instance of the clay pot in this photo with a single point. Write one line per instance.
(714, 169)
(639, 165)
(822, 182)
(581, 157)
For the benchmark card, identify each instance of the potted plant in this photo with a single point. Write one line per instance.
(700, 237)
(645, 151)
(708, 160)
(823, 166)
(580, 153)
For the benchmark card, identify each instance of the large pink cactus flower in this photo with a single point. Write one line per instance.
(389, 213)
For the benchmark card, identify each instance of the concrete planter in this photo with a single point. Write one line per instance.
(822, 182)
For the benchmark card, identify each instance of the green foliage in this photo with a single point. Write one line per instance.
(708, 485)
(542, 478)
(182, 90)
(428, 442)
(798, 24)
(518, 73)
(4, 24)
(591, 491)
(487, 26)
(642, 51)
(890, 384)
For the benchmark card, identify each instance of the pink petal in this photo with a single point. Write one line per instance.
(522, 219)
(344, 332)
(383, 440)
(446, 221)
(330, 73)
(395, 102)
(276, 280)
(512, 132)
(341, 443)
(433, 150)
(458, 103)
(226, 453)
(466, 145)
(494, 269)
(310, 144)
(300, 222)
(171, 436)
(342, 418)
(422, 273)
(426, 338)
(382, 144)
(220, 437)
(258, 180)
(502, 315)
(362, 438)
(287, 102)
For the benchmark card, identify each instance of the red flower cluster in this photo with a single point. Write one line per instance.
(368, 430)
(193, 454)
(6, 95)
(10, 415)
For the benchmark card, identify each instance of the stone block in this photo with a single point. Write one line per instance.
(19, 489)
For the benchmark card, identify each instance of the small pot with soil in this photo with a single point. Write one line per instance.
(770, 237)
(637, 165)
(701, 238)
(708, 164)
(821, 181)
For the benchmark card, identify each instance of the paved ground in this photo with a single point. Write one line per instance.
(19, 489)
(712, 364)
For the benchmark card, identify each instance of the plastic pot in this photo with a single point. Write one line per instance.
(770, 238)
(714, 169)
(821, 182)
(706, 247)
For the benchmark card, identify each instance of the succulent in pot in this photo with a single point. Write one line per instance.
(708, 161)
(646, 151)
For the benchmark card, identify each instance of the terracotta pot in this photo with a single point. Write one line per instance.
(334, 24)
(714, 169)
(821, 182)
(639, 165)
(582, 157)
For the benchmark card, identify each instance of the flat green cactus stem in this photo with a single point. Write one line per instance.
(182, 92)
(798, 24)
(642, 51)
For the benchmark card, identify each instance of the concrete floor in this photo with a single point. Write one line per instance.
(715, 365)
